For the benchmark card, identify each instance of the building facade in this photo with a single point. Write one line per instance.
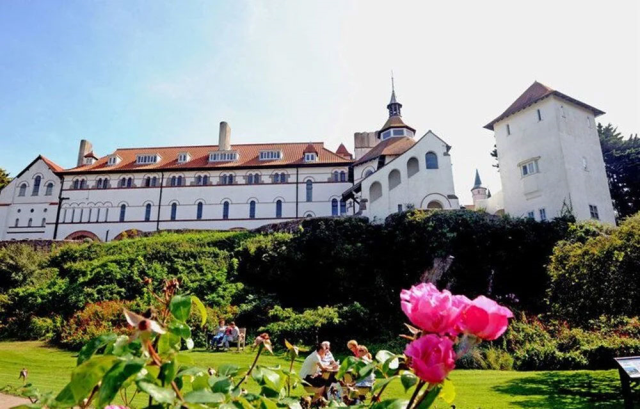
(550, 159)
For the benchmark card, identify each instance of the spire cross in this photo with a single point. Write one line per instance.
(393, 87)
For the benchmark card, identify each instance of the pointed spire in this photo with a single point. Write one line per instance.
(394, 106)
(478, 182)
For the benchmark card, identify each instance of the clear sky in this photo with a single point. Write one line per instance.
(155, 73)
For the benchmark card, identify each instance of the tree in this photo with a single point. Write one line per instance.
(622, 164)
(4, 178)
(494, 155)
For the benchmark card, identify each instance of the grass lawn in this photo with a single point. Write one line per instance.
(49, 369)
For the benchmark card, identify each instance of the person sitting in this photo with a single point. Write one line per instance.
(231, 335)
(363, 353)
(311, 372)
(327, 359)
(353, 347)
(216, 340)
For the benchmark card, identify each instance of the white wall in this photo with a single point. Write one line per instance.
(420, 189)
(558, 141)
(35, 207)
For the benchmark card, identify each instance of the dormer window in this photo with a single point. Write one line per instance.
(310, 157)
(223, 156)
(386, 134)
(89, 160)
(147, 159)
(183, 157)
(270, 155)
(113, 160)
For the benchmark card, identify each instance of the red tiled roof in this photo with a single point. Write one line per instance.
(292, 154)
(343, 151)
(310, 149)
(533, 94)
(51, 164)
(393, 146)
(91, 155)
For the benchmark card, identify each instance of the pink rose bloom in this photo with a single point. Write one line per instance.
(485, 318)
(432, 357)
(432, 310)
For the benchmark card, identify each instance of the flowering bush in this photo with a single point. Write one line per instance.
(149, 359)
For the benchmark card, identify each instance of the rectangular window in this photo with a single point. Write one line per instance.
(310, 157)
(529, 168)
(589, 122)
(112, 160)
(223, 156)
(183, 157)
(398, 132)
(531, 215)
(543, 214)
(539, 115)
(146, 159)
(593, 210)
(399, 208)
(270, 155)
(386, 134)
(508, 130)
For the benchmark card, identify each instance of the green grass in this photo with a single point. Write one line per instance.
(49, 369)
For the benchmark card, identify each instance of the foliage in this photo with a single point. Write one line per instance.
(4, 178)
(622, 164)
(598, 275)
(301, 327)
(20, 265)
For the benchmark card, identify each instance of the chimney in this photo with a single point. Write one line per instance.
(224, 141)
(85, 147)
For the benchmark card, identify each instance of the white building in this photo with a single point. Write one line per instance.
(394, 172)
(550, 159)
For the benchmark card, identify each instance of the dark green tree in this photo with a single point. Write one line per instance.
(622, 163)
(4, 178)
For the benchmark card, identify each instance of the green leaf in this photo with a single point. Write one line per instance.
(383, 356)
(201, 309)
(346, 365)
(257, 375)
(228, 370)
(271, 379)
(180, 329)
(448, 392)
(366, 371)
(391, 404)
(429, 398)
(383, 382)
(200, 382)
(220, 384)
(192, 371)
(86, 376)
(65, 397)
(390, 366)
(115, 377)
(92, 346)
(168, 343)
(204, 396)
(157, 393)
(180, 307)
(408, 379)
(266, 403)
(168, 371)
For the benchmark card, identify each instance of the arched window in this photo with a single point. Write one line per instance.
(250, 179)
(279, 208)
(343, 207)
(309, 191)
(174, 210)
(147, 181)
(225, 210)
(205, 180)
(179, 180)
(49, 189)
(432, 160)
(173, 181)
(83, 183)
(198, 180)
(199, 208)
(394, 179)
(44, 221)
(434, 205)
(252, 209)
(23, 190)
(368, 173)
(76, 184)
(17, 223)
(154, 181)
(30, 222)
(224, 179)
(375, 191)
(123, 182)
(147, 212)
(334, 207)
(99, 183)
(256, 178)
(129, 182)
(343, 176)
(123, 212)
(276, 178)
(336, 176)
(36, 186)
(230, 179)
(413, 167)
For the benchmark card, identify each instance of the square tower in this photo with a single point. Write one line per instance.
(550, 157)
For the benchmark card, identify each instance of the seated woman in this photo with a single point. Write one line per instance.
(216, 340)
(363, 353)
(353, 346)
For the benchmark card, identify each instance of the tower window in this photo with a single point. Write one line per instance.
(529, 168)
(123, 212)
(398, 132)
(531, 215)
(225, 210)
(174, 211)
(539, 115)
(199, 210)
(49, 190)
(432, 160)
(279, 209)
(508, 129)
(36, 186)
(386, 134)
(252, 209)
(593, 210)
(147, 212)
(543, 214)
(23, 190)
(309, 191)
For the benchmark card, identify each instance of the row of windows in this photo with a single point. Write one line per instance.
(542, 212)
(200, 180)
(30, 222)
(395, 178)
(22, 190)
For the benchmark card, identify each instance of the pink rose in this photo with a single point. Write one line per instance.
(432, 310)
(485, 319)
(432, 357)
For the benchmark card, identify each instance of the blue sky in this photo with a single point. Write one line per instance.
(157, 73)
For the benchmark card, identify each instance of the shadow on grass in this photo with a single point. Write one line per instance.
(573, 390)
